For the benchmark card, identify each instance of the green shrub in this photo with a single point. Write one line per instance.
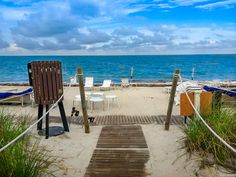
(25, 158)
(200, 139)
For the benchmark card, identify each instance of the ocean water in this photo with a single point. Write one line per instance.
(146, 68)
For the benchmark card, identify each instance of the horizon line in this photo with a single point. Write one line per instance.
(115, 54)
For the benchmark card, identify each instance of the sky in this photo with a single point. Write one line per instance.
(117, 27)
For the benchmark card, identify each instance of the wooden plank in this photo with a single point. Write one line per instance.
(45, 85)
(40, 83)
(49, 83)
(122, 137)
(59, 72)
(206, 102)
(124, 120)
(117, 163)
(185, 106)
(34, 75)
(57, 82)
(54, 85)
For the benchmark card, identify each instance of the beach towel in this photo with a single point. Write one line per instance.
(4, 95)
(226, 92)
(188, 86)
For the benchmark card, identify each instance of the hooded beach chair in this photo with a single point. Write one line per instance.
(88, 83)
(8, 97)
(106, 85)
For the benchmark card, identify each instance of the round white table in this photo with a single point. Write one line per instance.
(111, 98)
(96, 99)
(97, 94)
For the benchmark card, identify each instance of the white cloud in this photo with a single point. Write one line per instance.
(166, 6)
(227, 3)
(203, 4)
(188, 2)
(14, 14)
(103, 26)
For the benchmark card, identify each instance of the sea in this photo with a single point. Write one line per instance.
(146, 68)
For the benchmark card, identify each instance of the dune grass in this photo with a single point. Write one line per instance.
(200, 139)
(25, 158)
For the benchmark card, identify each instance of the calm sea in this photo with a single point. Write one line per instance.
(148, 68)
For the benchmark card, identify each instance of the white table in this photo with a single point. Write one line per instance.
(97, 94)
(111, 98)
(78, 97)
(94, 100)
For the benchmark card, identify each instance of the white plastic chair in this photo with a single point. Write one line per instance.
(88, 83)
(106, 85)
(125, 82)
(73, 80)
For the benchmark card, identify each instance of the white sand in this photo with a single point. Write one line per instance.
(75, 148)
(132, 101)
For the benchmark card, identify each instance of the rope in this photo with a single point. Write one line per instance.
(31, 126)
(204, 122)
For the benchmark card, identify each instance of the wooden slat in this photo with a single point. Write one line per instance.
(34, 75)
(118, 163)
(125, 120)
(122, 137)
(40, 83)
(50, 86)
(45, 85)
(185, 106)
(54, 81)
(206, 102)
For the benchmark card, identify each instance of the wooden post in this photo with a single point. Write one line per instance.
(47, 123)
(171, 100)
(83, 101)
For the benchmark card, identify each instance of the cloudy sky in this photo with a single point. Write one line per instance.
(113, 27)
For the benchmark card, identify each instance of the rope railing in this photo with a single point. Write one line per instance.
(204, 122)
(31, 126)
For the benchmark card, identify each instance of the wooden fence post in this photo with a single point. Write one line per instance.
(171, 100)
(83, 101)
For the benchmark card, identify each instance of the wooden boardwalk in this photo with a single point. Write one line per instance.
(114, 156)
(125, 120)
(122, 137)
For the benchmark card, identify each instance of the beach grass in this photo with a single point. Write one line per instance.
(199, 139)
(25, 158)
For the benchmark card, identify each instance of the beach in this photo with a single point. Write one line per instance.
(75, 148)
(118, 88)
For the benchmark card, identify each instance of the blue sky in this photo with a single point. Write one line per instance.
(107, 27)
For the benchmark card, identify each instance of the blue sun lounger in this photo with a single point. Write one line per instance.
(4, 96)
(226, 92)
